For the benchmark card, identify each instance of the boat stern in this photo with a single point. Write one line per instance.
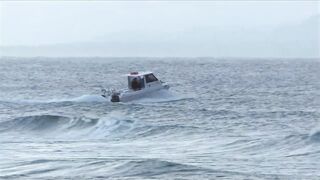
(115, 97)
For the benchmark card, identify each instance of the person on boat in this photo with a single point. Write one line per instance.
(135, 84)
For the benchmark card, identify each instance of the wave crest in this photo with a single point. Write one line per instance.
(113, 125)
(315, 135)
(63, 126)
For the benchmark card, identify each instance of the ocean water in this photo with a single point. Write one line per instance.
(221, 119)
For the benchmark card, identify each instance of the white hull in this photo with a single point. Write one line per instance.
(130, 95)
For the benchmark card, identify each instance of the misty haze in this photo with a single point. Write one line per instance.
(161, 29)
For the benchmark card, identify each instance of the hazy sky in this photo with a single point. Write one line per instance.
(160, 28)
(35, 23)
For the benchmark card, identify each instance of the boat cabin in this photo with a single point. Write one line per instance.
(141, 80)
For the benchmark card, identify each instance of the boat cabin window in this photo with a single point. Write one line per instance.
(135, 82)
(150, 78)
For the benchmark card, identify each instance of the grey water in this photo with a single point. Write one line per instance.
(220, 119)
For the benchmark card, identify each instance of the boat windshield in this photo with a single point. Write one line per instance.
(150, 78)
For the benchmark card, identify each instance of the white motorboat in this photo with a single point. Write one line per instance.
(140, 84)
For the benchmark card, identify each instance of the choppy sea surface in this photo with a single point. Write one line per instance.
(221, 119)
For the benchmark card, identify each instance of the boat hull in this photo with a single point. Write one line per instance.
(130, 95)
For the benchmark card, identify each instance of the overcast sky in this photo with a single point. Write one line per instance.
(41, 23)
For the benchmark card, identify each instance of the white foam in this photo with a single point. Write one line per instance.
(83, 98)
(114, 124)
(89, 98)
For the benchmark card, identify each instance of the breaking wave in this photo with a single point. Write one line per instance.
(135, 168)
(113, 125)
(314, 136)
(63, 126)
(155, 167)
(148, 167)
